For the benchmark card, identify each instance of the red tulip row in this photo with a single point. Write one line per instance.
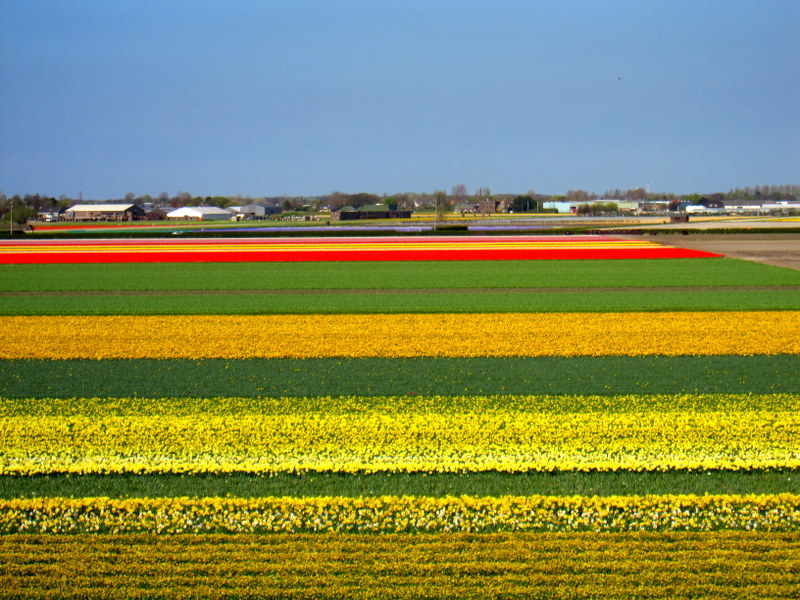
(336, 250)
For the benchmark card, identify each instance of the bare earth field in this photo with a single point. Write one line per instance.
(778, 249)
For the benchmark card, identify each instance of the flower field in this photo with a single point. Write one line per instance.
(406, 435)
(402, 514)
(403, 335)
(341, 249)
(159, 439)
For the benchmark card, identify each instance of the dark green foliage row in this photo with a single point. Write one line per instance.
(422, 275)
(397, 377)
(398, 302)
(380, 484)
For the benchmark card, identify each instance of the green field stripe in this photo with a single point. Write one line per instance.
(391, 302)
(611, 375)
(555, 566)
(395, 275)
(387, 484)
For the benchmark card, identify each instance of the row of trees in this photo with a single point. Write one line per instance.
(771, 192)
(598, 208)
(22, 209)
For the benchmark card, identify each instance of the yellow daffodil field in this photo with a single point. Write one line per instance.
(162, 438)
(512, 434)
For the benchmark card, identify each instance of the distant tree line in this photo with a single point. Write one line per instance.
(765, 192)
(26, 207)
(597, 208)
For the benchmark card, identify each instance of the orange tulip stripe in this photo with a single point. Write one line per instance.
(341, 249)
(712, 333)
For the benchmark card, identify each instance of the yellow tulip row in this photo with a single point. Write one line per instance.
(401, 335)
(423, 438)
(407, 404)
(402, 514)
(560, 565)
(247, 407)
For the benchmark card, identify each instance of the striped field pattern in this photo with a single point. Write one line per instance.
(556, 566)
(341, 249)
(534, 452)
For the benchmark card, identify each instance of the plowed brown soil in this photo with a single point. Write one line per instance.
(782, 250)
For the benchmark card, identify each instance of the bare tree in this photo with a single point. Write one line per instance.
(338, 200)
(181, 199)
(404, 201)
(636, 194)
(440, 204)
(577, 196)
(460, 193)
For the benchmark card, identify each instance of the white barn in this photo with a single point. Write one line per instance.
(103, 212)
(200, 213)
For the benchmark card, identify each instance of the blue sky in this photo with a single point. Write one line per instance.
(305, 97)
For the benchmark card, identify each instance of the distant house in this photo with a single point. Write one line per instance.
(55, 214)
(200, 213)
(486, 206)
(155, 214)
(103, 212)
(493, 206)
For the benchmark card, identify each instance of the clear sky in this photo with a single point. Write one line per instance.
(305, 97)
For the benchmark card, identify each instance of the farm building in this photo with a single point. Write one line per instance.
(155, 214)
(200, 213)
(491, 206)
(255, 211)
(53, 214)
(103, 212)
(370, 211)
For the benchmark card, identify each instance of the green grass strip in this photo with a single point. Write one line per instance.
(399, 484)
(395, 275)
(608, 376)
(397, 302)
